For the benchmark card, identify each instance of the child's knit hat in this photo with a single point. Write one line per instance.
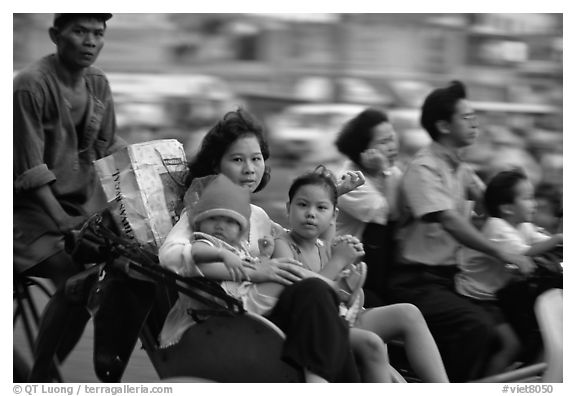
(221, 197)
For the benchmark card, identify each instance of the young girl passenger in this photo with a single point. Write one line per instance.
(311, 211)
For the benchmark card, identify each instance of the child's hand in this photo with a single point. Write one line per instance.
(350, 181)
(518, 262)
(347, 248)
(266, 246)
(234, 265)
(351, 240)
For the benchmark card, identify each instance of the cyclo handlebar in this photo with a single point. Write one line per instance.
(97, 240)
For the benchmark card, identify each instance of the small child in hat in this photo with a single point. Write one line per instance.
(220, 220)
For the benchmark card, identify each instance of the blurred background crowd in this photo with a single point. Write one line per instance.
(304, 75)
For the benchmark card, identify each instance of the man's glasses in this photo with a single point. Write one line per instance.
(469, 117)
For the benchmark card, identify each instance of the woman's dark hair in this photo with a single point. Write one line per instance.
(501, 190)
(357, 134)
(220, 137)
(320, 176)
(440, 105)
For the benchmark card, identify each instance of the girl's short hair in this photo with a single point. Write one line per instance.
(501, 190)
(320, 176)
(357, 133)
(220, 137)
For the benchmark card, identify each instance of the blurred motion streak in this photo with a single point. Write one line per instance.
(303, 75)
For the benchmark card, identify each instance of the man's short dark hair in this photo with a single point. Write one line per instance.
(501, 190)
(60, 20)
(440, 105)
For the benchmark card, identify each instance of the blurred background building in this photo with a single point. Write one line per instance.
(504, 57)
(303, 75)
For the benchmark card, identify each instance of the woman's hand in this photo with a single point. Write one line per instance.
(350, 181)
(284, 271)
(374, 161)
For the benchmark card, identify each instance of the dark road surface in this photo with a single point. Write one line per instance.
(78, 367)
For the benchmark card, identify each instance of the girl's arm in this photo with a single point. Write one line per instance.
(281, 249)
(349, 181)
(465, 233)
(544, 246)
(365, 204)
(359, 201)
